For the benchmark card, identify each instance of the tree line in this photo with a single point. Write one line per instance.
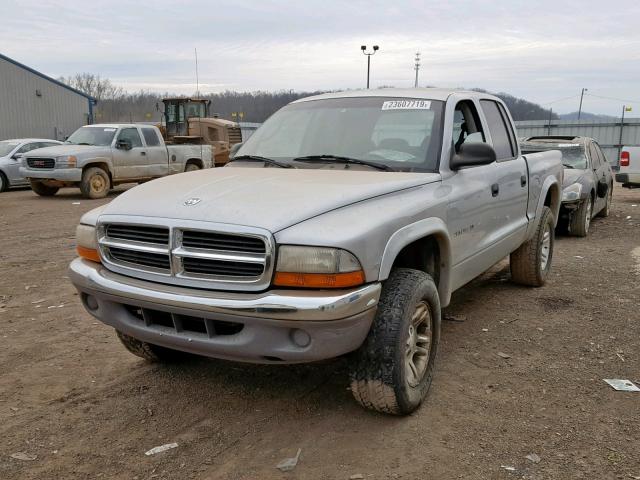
(117, 105)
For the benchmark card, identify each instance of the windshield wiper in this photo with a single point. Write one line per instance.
(567, 166)
(348, 160)
(257, 158)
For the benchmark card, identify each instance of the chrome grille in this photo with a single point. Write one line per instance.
(223, 257)
(41, 162)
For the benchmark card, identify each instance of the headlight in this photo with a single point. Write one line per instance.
(68, 161)
(86, 243)
(572, 192)
(317, 267)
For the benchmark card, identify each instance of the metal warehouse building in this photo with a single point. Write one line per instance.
(35, 105)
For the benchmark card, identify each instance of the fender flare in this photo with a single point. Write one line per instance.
(415, 231)
(548, 184)
(97, 160)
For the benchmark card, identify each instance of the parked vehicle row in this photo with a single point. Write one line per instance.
(343, 225)
(96, 158)
(587, 189)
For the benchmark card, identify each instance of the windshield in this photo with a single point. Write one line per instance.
(572, 157)
(405, 134)
(6, 147)
(99, 136)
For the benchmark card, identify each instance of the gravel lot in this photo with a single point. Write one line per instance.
(71, 396)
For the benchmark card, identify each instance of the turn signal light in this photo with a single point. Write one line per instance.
(88, 253)
(624, 159)
(319, 280)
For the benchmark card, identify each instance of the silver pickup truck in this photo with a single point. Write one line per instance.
(343, 225)
(99, 157)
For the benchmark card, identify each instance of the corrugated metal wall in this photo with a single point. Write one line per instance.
(606, 133)
(57, 112)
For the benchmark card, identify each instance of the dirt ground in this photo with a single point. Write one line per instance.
(71, 396)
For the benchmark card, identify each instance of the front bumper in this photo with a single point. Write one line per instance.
(280, 326)
(59, 174)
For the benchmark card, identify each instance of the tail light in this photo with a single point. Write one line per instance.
(624, 159)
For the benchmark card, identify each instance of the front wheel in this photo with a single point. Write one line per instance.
(95, 183)
(149, 351)
(581, 218)
(392, 370)
(42, 189)
(531, 263)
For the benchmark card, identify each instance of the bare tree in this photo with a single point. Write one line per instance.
(94, 85)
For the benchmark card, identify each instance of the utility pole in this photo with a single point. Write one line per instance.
(197, 79)
(624, 109)
(581, 97)
(364, 50)
(417, 68)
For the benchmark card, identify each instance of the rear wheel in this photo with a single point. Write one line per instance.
(581, 219)
(4, 183)
(531, 263)
(95, 183)
(192, 167)
(393, 369)
(42, 189)
(149, 351)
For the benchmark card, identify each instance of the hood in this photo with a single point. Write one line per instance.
(67, 149)
(270, 198)
(572, 175)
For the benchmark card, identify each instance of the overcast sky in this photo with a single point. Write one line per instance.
(539, 50)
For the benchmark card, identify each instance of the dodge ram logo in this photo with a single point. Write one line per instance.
(192, 201)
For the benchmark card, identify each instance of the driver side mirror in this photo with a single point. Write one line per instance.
(234, 149)
(473, 155)
(123, 144)
(17, 156)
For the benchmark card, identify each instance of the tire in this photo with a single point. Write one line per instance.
(530, 264)
(149, 351)
(581, 219)
(95, 183)
(191, 167)
(42, 189)
(382, 378)
(4, 183)
(604, 213)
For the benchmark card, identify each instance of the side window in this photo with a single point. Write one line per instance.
(27, 147)
(150, 137)
(48, 144)
(498, 129)
(132, 135)
(593, 153)
(512, 135)
(601, 155)
(467, 127)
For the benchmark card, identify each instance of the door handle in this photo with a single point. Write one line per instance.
(523, 181)
(143, 153)
(495, 190)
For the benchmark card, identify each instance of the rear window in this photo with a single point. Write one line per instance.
(150, 137)
(498, 130)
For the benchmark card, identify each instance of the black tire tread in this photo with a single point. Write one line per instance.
(85, 186)
(4, 182)
(372, 378)
(576, 223)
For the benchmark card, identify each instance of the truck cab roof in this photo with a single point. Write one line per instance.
(441, 94)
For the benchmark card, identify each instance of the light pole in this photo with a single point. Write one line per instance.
(417, 68)
(581, 96)
(364, 50)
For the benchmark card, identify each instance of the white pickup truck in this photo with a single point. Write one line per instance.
(99, 157)
(629, 173)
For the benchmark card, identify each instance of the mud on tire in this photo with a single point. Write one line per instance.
(527, 263)
(95, 183)
(381, 377)
(149, 351)
(581, 218)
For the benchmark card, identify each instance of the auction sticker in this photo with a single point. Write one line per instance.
(406, 105)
